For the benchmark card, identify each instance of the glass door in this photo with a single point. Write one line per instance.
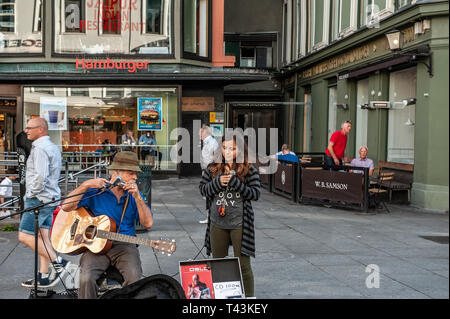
(402, 85)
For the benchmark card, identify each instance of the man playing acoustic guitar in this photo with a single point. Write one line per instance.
(111, 202)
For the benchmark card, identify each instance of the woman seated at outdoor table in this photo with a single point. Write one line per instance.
(362, 161)
(287, 155)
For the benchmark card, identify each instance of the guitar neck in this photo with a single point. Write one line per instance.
(125, 238)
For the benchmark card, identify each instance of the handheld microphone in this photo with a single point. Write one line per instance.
(118, 182)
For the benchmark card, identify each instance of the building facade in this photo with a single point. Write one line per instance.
(254, 38)
(98, 68)
(384, 66)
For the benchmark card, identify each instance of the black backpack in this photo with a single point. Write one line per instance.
(154, 287)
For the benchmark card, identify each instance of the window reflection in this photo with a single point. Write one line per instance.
(100, 119)
(113, 27)
(20, 26)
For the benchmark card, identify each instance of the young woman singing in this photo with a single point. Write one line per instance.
(230, 183)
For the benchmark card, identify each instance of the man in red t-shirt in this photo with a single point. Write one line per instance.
(336, 147)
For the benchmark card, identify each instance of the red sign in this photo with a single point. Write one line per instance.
(108, 64)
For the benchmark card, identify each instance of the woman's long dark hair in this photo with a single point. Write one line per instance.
(241, 167)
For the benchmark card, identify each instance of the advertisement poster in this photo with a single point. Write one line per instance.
(197, 281)
(54, 110)
(149, 114)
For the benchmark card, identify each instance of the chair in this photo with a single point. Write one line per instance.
(377, 191)
(376, 173)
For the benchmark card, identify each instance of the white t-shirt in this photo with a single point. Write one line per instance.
(6, 191)
(210, 145)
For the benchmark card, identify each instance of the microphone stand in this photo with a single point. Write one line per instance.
(36, 210)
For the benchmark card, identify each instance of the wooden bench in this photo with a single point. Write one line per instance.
(403, 177)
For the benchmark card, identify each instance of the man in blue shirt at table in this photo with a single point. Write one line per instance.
(110, 201)
(287, 155)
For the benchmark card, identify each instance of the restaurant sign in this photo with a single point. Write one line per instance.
(331, 185)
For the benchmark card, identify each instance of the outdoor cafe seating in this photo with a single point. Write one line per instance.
(310, 182)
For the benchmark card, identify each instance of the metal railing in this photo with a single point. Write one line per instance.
(68, 177)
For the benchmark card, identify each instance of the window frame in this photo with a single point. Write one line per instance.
(255, 48)
(36, 15)
(326, 26)
(372, 18)
(170, 55)
(353, 19)
(190, 55)
(15, 20)
(43, 37)
(144, 16)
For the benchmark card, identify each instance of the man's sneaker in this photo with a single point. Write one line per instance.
(60, 268)
(42, 282)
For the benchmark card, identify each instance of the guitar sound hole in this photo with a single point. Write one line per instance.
(91, 232)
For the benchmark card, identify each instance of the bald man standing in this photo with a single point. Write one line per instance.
(42, 174)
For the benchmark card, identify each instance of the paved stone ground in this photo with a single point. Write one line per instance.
(303, 251)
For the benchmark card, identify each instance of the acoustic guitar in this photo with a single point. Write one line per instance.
(79, 230)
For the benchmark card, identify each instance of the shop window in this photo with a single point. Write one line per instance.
(20, 26)
(85, 119)
(103, 27)
(401, 124)
(196, 28)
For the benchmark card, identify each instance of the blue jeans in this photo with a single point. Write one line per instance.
(45, 216)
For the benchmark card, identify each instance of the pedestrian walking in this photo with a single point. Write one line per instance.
(43, 170)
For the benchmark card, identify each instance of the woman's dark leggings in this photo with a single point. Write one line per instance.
(220, 239)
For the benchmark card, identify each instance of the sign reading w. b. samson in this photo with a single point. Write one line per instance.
(336, 186)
